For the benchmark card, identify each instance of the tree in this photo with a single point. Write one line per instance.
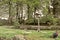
(10, 13)
(56, 7)
(21, 10)
(29, 8)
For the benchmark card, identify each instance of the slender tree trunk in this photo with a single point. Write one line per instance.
(17, 10)
(53, 7)
(21, 10)
(56, 8)
(10, 14)
(38, 29)
(34, 14)
(17, 14)
(28, 11)
(49, 10)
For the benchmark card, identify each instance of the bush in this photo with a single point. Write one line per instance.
(58, 22)
(31, 21)
(16, 24)
(3, 22)
(49, 20)
(46, 20)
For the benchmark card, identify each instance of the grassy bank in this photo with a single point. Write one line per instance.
(32, 35)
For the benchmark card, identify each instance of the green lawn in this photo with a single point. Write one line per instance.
(33, 35)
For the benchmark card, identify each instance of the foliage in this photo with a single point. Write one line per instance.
(16, 24)
(49, 18)
(3, 22)
(58, 23)
(31, 21)
(39, 4)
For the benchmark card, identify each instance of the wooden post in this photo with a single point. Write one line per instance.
(37, 15)
(38, 25)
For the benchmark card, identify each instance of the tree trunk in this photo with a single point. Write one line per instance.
(28, 10)
(10, 14)
(21, 11)
(56, 8)
(17, 14)
(34, 14)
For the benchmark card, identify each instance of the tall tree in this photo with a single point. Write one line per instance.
(56, 8)
(17, 8)
(21, 10)
(10, 13)
(29, 7)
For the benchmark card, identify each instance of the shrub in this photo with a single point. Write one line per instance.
(16, 24)
(3, 22)
(58, 21)
(47, 20)
(31, 21)
(50, 20)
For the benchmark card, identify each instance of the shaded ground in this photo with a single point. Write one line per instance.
(8, 34)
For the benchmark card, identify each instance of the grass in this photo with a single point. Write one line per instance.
(34, 35)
